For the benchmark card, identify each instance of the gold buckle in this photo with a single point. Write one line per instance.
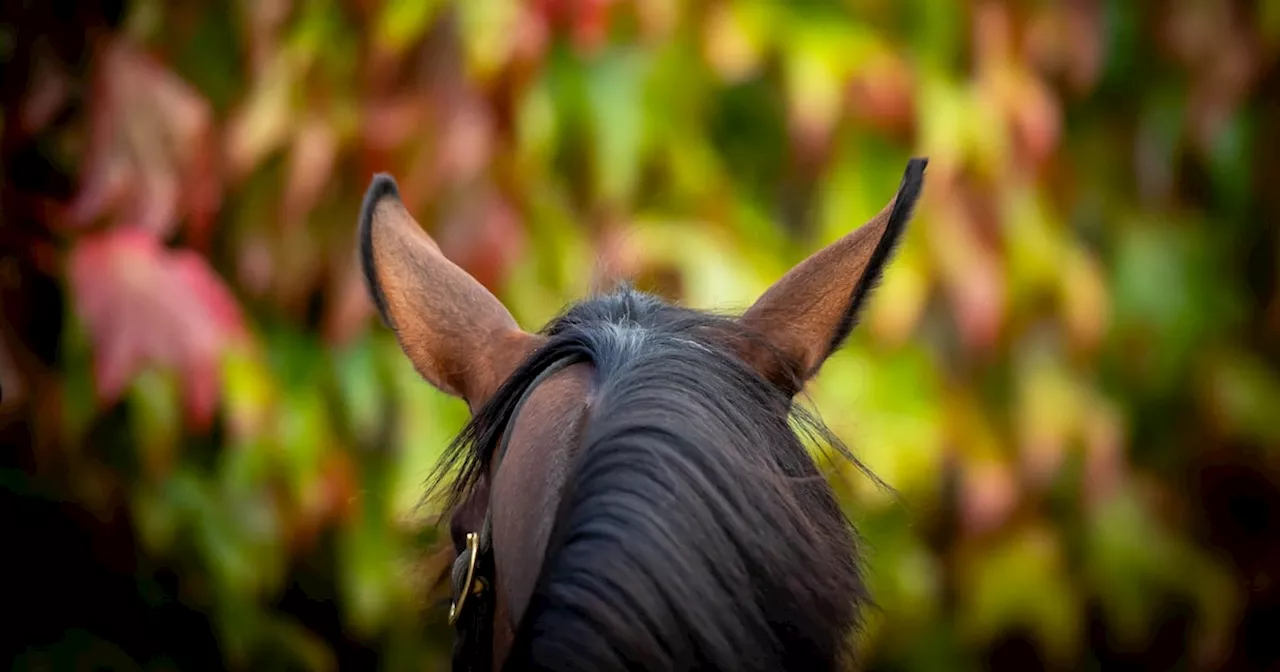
(473, 546)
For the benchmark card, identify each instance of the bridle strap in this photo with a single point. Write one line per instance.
(553, 368)
(471, 612)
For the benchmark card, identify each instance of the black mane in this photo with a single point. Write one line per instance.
(695, 530)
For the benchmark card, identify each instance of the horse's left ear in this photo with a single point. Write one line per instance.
(807, 314)
(458, 335)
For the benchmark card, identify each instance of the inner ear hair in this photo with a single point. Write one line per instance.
(811, 311)
(457, 334)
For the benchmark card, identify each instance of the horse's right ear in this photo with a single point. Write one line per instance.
(458, 335)
(808, 313)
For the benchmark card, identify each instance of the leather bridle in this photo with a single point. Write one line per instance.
(471, 613)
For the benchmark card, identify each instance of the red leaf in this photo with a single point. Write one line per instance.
(388, 123)
(532, 36)
(586, 21)
(591, 25)
(467, 142)
(143, 305)
(150, 154)
(988, 497)
(882, 95)
(1036, 118)
(969, 270)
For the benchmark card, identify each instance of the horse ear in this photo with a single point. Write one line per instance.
(808, 313)
(458, 335)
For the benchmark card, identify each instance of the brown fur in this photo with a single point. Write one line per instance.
(806, 313)
(462, 340)
(456, 333)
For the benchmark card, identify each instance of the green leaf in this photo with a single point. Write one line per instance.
(1243, 392)
(1021, 582)
(359, 390)
(1269, 21)
(1230, 162)
(248, 393)
(79, 398)
(942, 110)
(1170, 297)
(203, 59)
(367, 579)
(864, 178)
(905, 577)
(156, 519)
(822, 53)
(1134, 562)
(400, 23)
(488, 34)
(714, 278)
(1036, 246)
(543, 282)
(886, 407)
(320, 37)
(156, 412)
(937, 32)
(430, 421)
(536, 131)
(615, 84)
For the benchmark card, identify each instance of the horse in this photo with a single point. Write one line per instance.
(632, 489)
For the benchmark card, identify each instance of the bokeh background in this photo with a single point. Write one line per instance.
(213, 452)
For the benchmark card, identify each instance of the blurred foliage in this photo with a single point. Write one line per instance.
(1070, 375)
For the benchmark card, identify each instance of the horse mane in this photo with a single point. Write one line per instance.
(694, 529)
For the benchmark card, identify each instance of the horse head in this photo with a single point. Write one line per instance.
(631, 491)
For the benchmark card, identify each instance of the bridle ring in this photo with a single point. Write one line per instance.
(473, 549)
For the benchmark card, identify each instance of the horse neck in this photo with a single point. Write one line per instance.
(691, 532)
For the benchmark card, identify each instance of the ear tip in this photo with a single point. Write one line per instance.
(913, 178)
(383, 186)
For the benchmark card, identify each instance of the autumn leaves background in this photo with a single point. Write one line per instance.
(1069, 374)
